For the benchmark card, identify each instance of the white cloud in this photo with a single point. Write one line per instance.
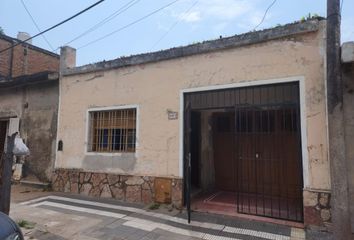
(225, 9)
(221, 12)
(190, 17)
(244, 15)
(216, 9)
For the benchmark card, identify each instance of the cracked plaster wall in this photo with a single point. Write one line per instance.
(156, 87)
(36, 106)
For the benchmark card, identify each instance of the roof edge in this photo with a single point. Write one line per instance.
(200, 48)
(33, 47)
(24, 80)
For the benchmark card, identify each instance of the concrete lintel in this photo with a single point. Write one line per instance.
(199, 48)
(53, 76)
(347, 52)
(36, 78)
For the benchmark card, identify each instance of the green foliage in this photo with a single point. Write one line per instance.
(1, 31)
(25, 224)
(309, 17)
(154, 206)
(47, 188)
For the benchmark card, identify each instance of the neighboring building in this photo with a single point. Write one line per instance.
(29, 99)
(348, 97)
(248, 112)
(24, 59)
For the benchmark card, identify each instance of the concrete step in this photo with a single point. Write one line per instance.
(35, 184)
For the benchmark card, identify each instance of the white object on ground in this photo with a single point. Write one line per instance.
(17, 172)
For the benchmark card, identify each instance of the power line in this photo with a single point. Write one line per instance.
(56, 25)
(174, 24)
(35, 24)
(265, 14)
(128, 25)
(105, 20)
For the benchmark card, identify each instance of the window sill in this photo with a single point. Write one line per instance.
(113, 154)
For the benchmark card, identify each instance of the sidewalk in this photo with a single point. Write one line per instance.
(62, 216)
(20, 193)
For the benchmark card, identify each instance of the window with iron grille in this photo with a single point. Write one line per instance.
(112, 131)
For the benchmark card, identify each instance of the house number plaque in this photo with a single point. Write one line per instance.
(172, 115)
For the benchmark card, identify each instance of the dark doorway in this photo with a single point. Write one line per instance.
(3, 130)
(223, 144)
(251, 160)
(195, 145)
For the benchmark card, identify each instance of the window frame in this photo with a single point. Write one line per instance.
(111, 108)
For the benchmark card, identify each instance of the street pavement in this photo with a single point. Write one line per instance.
(63, 216)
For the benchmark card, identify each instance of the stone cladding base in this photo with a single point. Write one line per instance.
(137, 189)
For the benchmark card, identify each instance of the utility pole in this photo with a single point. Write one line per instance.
(5, 185)
(338, 166)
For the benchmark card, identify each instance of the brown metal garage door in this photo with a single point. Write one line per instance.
(266, 157)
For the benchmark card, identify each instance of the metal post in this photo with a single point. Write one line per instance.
(189, 188)
(5, 187)
(187, 153)
(339, 182)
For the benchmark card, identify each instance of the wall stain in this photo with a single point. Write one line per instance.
(126, 162)
(96, 75)
(313, 115)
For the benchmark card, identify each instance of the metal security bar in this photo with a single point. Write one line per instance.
(266, 158)
(269, 171)
(269, 156)
(113, 131)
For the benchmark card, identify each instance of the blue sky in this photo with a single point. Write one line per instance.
(192, 21)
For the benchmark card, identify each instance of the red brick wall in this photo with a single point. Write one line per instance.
(5, 58)
(26, 60)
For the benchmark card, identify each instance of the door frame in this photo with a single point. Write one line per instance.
(299, 79)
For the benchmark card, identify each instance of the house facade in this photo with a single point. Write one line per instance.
(238, 122)
(29, 96)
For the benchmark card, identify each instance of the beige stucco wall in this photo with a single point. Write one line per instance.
(155, 88)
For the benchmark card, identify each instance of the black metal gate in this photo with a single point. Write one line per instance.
(267, 146)
(187, 158)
